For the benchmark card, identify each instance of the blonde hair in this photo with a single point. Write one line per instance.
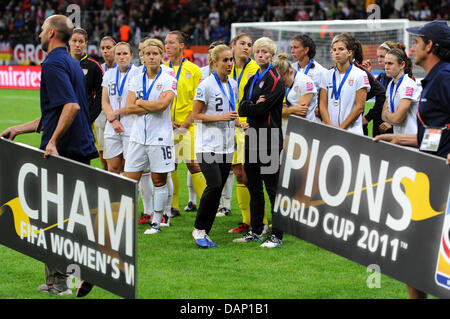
(216, 51)
(155, 43)
(123, 43)
(282, 64)
(265, 41)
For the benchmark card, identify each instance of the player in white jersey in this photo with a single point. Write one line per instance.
(300, 90)
(344, 88)
(151, 142)
(402, 93)
(107, 51)
(115, 90)
(215, 116)
(303, 50)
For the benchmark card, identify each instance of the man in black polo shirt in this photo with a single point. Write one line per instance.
(432, 52)
(65, 115)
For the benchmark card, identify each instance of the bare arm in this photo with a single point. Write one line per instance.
(198, 115)
(399, 139)
(301, 109)
(158, 105)
(11, 132)
(360, 101)
(68, 114)
(324, 107)
(399, 115)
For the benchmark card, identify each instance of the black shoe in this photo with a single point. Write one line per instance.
(190, 207)
(175, 212)
(84, 289)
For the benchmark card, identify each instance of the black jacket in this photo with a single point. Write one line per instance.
(93, 74)
(266, 114)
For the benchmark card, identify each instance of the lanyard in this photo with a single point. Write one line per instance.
(337, 93)
(120, 88)
(179, 70)
(392, 93)
(106, 67)
(288, 90)
(307, 67)
(231, 98)
(242, 72)
(256, 78)
(144, 79)
(83, 58)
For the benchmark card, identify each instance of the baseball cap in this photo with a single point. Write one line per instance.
(438, 31)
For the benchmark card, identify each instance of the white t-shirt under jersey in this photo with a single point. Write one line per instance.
(408, 89)
(217, 137)
(154, 128)
(357, 79)
(109, 81)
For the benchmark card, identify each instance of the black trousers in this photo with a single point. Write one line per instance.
(215, 168)
(255, 180)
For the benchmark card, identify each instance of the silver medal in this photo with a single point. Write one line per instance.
(336, 102)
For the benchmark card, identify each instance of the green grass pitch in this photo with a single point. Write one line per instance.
(171, 266)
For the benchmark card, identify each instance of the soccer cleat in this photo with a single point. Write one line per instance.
(174, 212)
(190, 207)
(249, 237)
(224, 212)
(241, 228)
(153, 229)
(145, 219)
(201, 239)
(61, 290)
(210, 242)
(84, 288)
(266, 230)
(44, 288)
(165, 221)
(272, 242)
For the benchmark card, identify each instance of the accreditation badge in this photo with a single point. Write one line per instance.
(431, 139)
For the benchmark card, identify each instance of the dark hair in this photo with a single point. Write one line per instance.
(307, 42)
(236, 38)
(82, 32)
(108, 38)
(401, 56)
(358, 52)
(215, 44)
(443, 53)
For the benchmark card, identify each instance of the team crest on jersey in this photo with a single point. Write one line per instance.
(261, 84)
(85, 71)
(188, 75)
(350, 82)
(159, 87)
(296, 88)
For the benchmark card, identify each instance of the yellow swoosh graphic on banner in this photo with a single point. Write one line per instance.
(18, 214)
(418, 193)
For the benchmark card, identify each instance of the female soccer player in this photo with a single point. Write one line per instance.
(214, 108)
(262, 105)
(303, 50)
(188, 76)
(150, 96)
(300, 90)
(115, 89)
(107, 44)
(343, 88)
(402, 93)
(243, 69)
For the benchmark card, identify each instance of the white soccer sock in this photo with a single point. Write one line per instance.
(146, 188)
(168, 207)
(161, 193)
(227, 191)
(192, 195)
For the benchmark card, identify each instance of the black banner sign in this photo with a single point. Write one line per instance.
(374, 203)
(71, 216)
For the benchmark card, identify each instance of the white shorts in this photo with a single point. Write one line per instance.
(115, 145)
(153, 158)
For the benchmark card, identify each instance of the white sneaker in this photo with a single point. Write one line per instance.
(272, 242)
(153, 229)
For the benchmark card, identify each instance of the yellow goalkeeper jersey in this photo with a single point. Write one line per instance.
(187, 81)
